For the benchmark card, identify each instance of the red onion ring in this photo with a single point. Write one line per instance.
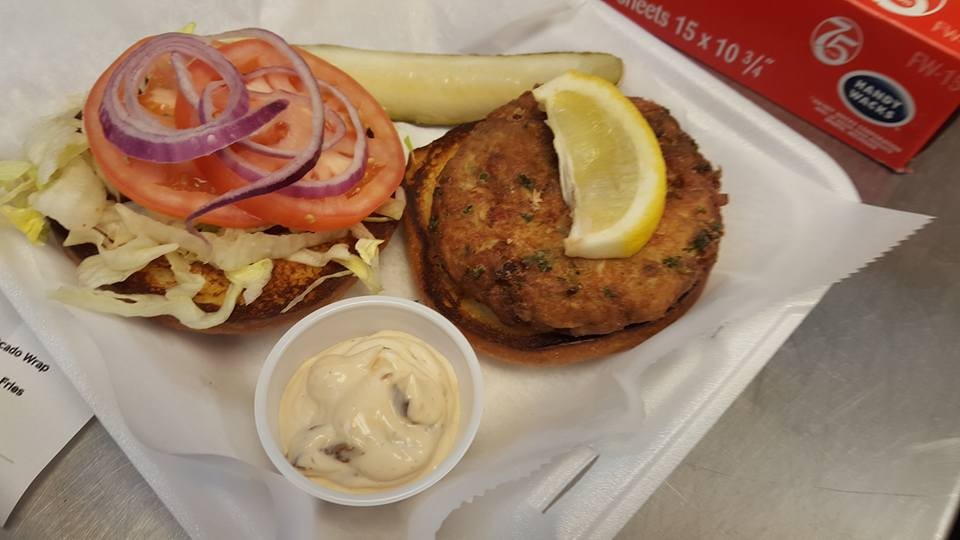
(328, 187)
(339, 131)
(204, 103)
(339, 127)
(329, 140)
(128, 125)
(135, 131)
(183, 79)
(297, 167)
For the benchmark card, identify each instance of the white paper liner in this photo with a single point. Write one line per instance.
(181, 405)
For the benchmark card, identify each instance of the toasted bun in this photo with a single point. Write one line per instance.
(490, 336)
(519, 341)
(288, 280)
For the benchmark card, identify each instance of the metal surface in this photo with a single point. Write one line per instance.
(851, 431)
(91, 491)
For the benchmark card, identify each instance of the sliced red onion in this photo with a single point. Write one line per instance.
(136, 131)
(190, 146)
(306, 188)
(184, 83)
(297, 167)
(349, 177)
(329, 139)
(133, 130)
(264, 71)
(339, 128)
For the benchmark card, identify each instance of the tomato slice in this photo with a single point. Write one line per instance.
(290, 131)
(177, 190)
(174, 190)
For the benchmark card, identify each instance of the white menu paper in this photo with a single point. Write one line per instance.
(39, 409)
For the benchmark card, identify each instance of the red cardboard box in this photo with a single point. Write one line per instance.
(881, 75)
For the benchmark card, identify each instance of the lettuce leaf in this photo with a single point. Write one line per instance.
(366, 265)
(76, 199)
(30, 222)
(177, 302)
(234, 248)
(392, 208)
(188, 283)
(369, 274)
(312, 257)
(11, 171)
(148, 305)
(116, 265)
(299, 298)
(231, 248)
(253, 278)
(14, 193)
(55, 142)
(140, 225)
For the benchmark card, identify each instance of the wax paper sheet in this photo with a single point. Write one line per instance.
(181, 405)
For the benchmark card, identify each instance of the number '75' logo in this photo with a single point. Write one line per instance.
(836, 41)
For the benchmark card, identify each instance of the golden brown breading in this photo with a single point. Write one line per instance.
(499, 221)
(287, 280)
(499, 224)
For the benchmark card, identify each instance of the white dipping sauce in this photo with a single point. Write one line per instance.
(370, 413)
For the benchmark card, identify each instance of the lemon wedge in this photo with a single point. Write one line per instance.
(611, 168)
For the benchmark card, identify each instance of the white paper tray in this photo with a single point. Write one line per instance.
(686, 391)
(683, 393)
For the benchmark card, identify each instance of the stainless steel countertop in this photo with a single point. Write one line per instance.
(851, 431)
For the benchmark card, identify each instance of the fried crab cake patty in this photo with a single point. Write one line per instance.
(499, 221)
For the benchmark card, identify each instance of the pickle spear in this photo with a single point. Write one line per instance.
(447, 89)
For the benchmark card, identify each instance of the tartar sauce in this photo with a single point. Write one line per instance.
(370, 413)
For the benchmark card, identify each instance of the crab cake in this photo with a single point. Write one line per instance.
(486, 233)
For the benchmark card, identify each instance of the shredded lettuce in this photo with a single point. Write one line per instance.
(392, 208)
(29, 221)
(299, 298)
(114, 229)
(188, 283)
(116, 265)
(232, 248)
(141, 225)
(13, 194)
(360, 230)
(369, 250)
(85, 236)
(177, 302)
(235, 248)
(16, 183)
(55, 142)
(312, 257)
(253, 278)
(369, 271)
(76, 199)
(366, 265)
(148, 305)
(11, 170)
(50, 147)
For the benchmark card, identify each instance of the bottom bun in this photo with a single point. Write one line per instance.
(490, 336)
